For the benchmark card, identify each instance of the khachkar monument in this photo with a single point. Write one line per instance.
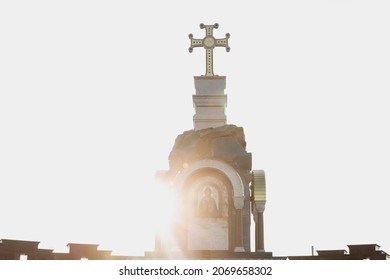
(211, 173)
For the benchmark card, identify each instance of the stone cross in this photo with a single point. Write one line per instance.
(209, 43)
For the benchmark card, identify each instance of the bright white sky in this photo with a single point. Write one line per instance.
(94, 93)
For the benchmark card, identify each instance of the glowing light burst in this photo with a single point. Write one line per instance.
(166, 207)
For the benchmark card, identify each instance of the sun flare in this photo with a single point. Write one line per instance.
(166, 206)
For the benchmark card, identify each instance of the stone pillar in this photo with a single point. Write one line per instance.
(209, 102)
(259, 207)
(239, 244)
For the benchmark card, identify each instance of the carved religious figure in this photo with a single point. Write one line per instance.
(208, 206)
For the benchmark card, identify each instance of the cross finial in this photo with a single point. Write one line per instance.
(209, 43)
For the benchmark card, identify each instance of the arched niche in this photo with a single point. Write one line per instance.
(224, 168)
(221, 227)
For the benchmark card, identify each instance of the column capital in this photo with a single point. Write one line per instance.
(259, 206)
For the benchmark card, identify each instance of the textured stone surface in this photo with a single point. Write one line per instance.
(225, 143)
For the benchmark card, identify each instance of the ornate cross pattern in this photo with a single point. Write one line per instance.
(209, 43)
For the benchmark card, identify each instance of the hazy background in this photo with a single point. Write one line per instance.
(94, 93)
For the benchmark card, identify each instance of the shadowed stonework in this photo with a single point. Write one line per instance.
(225, 143)
(21, 249)
(29, 250)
